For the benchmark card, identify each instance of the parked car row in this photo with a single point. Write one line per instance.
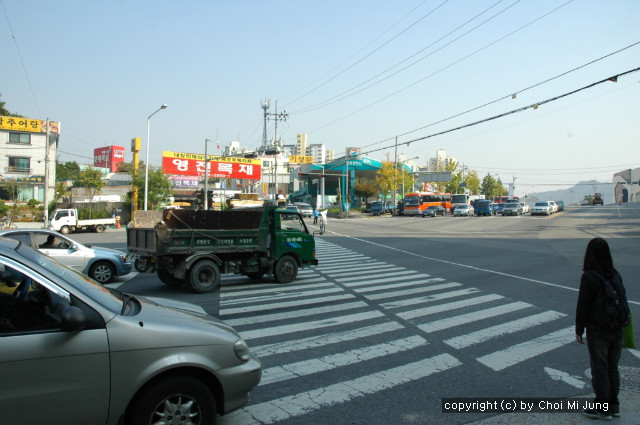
(487, 208)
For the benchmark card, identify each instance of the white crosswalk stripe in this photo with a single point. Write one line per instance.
(354, 309)
(309, 401)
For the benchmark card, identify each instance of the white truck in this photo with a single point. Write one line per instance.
(66, 221)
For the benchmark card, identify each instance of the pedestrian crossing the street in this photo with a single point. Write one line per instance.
(337, 325)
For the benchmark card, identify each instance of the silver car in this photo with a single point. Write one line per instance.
(100, 264)
(73, 351)
(306, 210)
(543, 207)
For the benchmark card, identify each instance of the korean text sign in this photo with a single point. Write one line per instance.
(189, 164)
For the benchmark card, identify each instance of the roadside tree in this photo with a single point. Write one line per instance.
(159, 187)
(365, 189)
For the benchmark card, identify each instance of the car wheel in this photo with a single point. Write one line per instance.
(179, 399)
(286, 269)
(204, 276)
(167, 278)
(102, 272)
(65, 230)
(99, 229)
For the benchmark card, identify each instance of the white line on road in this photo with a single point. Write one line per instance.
(463, 319)
(298, 404)
(308, 326)
(288, 315)
(483, 335)
(324, 340)
(421, 312)
(332, 361)
(526, 350)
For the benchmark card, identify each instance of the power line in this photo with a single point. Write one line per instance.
(511, 95)
(343, 95)
(24, 68)
(504, 114)
(444, 68)
(372, 52)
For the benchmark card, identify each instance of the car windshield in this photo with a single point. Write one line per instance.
(511, 206)
(112, 300)
(412, 200)
(542, 204)
(433, 207)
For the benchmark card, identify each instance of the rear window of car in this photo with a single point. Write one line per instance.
(511, 206)
(542, 204)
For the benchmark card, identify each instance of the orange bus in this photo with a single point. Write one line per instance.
(416, 202)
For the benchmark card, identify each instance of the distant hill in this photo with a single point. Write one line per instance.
(573, 195)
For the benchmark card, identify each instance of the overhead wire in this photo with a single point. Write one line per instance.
(444, 68)
(372, 52)
(513, 111)
(343, 95)
(24, 67)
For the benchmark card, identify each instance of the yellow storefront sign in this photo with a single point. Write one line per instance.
(300, 159)
(27, 125)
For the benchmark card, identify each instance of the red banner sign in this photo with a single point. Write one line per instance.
(186, 164)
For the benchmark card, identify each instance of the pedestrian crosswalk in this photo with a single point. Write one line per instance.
(333, 328)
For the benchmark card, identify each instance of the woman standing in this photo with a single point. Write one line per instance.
(603, 342)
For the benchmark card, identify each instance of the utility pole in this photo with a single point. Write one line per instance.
(136, 144)
(274, 148)
(395, 185)
(46, 174)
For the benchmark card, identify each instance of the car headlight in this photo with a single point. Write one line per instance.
(242, 350)
(124, 258)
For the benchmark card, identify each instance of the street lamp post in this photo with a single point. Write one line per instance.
(146, 165)
(415, 157)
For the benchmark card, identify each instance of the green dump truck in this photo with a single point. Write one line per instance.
(194, 248)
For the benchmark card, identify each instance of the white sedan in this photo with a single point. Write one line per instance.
(542, 208)
(463, 209)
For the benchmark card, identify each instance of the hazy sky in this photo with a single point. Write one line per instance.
(348, 73)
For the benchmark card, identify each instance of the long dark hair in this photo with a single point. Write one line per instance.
(598, 257)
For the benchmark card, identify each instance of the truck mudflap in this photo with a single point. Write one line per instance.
(314, 262)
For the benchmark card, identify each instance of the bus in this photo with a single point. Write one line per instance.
(505, 199)
(459, 199)
(415, 203)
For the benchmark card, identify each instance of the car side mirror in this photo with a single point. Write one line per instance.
(74, 247)
(72, 319)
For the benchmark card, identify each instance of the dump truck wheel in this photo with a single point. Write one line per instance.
(286, 269)
(204, 276)
(168, 279)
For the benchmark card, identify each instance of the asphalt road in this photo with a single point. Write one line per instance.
(405, 312)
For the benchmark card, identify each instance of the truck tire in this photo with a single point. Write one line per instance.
(204, 277)
(99, 228)
(102, 272)
(286, 269)
(65, 230)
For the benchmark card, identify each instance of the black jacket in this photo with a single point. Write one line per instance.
(590, 286)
